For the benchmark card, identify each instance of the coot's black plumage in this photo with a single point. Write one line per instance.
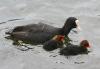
(56, 42)
(40, 33)
(71, 49)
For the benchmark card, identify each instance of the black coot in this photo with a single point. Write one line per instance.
(40, 33)
(71, 49)
(56, 42)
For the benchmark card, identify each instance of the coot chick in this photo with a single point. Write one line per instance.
(56, 42)
(71, 49)
(40, 33)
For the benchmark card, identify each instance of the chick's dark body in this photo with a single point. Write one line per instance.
(73, 50)
(52, 45)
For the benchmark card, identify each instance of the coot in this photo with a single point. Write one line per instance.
(71, 49)
(56, 42)
(40, 33)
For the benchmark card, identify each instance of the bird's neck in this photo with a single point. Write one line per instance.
(83, 48)
(65, 30)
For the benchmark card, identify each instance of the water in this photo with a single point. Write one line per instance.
(52, 12)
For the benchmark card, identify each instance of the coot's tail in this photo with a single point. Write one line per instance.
(8, 32)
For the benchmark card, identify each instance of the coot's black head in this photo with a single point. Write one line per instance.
(70, 23)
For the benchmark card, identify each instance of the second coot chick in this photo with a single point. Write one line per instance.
(56, 42)
(71, 49)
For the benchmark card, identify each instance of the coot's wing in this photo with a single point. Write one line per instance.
(19, 35)
(33, 37)
(40, 27)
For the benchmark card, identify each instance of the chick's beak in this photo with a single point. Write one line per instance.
(89, 49)
(78, 26)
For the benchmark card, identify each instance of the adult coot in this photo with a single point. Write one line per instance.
(71, 49)
(40, 33)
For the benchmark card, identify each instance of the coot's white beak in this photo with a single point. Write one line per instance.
(78, 26)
